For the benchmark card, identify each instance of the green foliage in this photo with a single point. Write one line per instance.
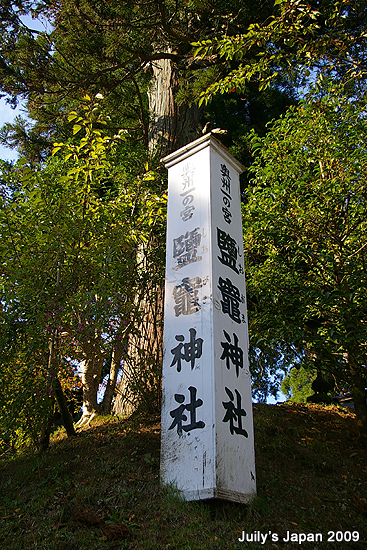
(239, 115)
(109, 48)
(301, 37)
(297, 384)
(71, 231)
(305, 236)
(23, 406)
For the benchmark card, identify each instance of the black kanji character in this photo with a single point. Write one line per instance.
(231, 299)
(226, 199)
(232, 352)
(227, 214)
(191, 350)
(226, 178)
(186, 296)
(179, 417)
(177, 414)
(234, 414)
(228, 249)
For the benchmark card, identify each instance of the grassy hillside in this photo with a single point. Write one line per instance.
(101, 489)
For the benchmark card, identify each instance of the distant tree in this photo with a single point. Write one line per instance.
(297, 384)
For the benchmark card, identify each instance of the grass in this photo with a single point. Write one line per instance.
(101, 490)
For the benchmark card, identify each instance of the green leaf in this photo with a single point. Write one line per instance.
(76, 128)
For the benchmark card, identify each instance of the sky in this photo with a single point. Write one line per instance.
(7, 114)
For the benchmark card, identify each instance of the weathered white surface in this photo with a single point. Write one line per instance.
(207, 425)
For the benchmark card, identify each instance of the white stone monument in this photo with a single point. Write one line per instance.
(207, 424)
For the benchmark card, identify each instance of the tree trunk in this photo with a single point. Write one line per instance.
(140, 385)
(44, 438)
(62, 404)
(67, 419)
(126, 401)
(91, 370)
(171, 125)
(145, 353)
(111, 384)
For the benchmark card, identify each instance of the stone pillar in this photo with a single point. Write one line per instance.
(207, 424)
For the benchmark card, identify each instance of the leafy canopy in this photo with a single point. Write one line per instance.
(71, 230)
(305, 236)
(301, 38)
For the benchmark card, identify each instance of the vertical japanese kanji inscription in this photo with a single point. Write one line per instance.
(207, 426)
(179, 417)
(188, 351)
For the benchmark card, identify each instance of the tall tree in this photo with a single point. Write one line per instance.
(305, 239)
(122, 50)
(85, 221)
(139, 55)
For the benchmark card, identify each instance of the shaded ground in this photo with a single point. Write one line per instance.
(101, 489)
